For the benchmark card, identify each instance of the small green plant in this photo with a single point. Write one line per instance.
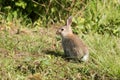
(103, 17)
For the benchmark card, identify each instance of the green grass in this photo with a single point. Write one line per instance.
(37, 55)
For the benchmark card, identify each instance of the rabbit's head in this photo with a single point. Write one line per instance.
(66, 30)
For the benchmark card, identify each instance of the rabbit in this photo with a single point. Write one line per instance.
(73, 46)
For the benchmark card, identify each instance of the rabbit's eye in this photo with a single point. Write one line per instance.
(62, 29)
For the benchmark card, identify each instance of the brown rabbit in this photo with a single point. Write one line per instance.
(72, 45)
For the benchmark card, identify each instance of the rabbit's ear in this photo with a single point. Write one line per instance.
(69, 21)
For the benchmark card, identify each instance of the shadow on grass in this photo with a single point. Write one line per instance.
(55, 53)
(60, 54)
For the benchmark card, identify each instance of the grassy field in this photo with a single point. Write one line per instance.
(36, 54)
(31, 50)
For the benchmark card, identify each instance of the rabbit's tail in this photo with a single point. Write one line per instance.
(85, 57)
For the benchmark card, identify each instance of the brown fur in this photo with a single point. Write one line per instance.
(72, 45)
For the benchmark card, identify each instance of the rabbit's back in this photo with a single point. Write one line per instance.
(74, 47)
